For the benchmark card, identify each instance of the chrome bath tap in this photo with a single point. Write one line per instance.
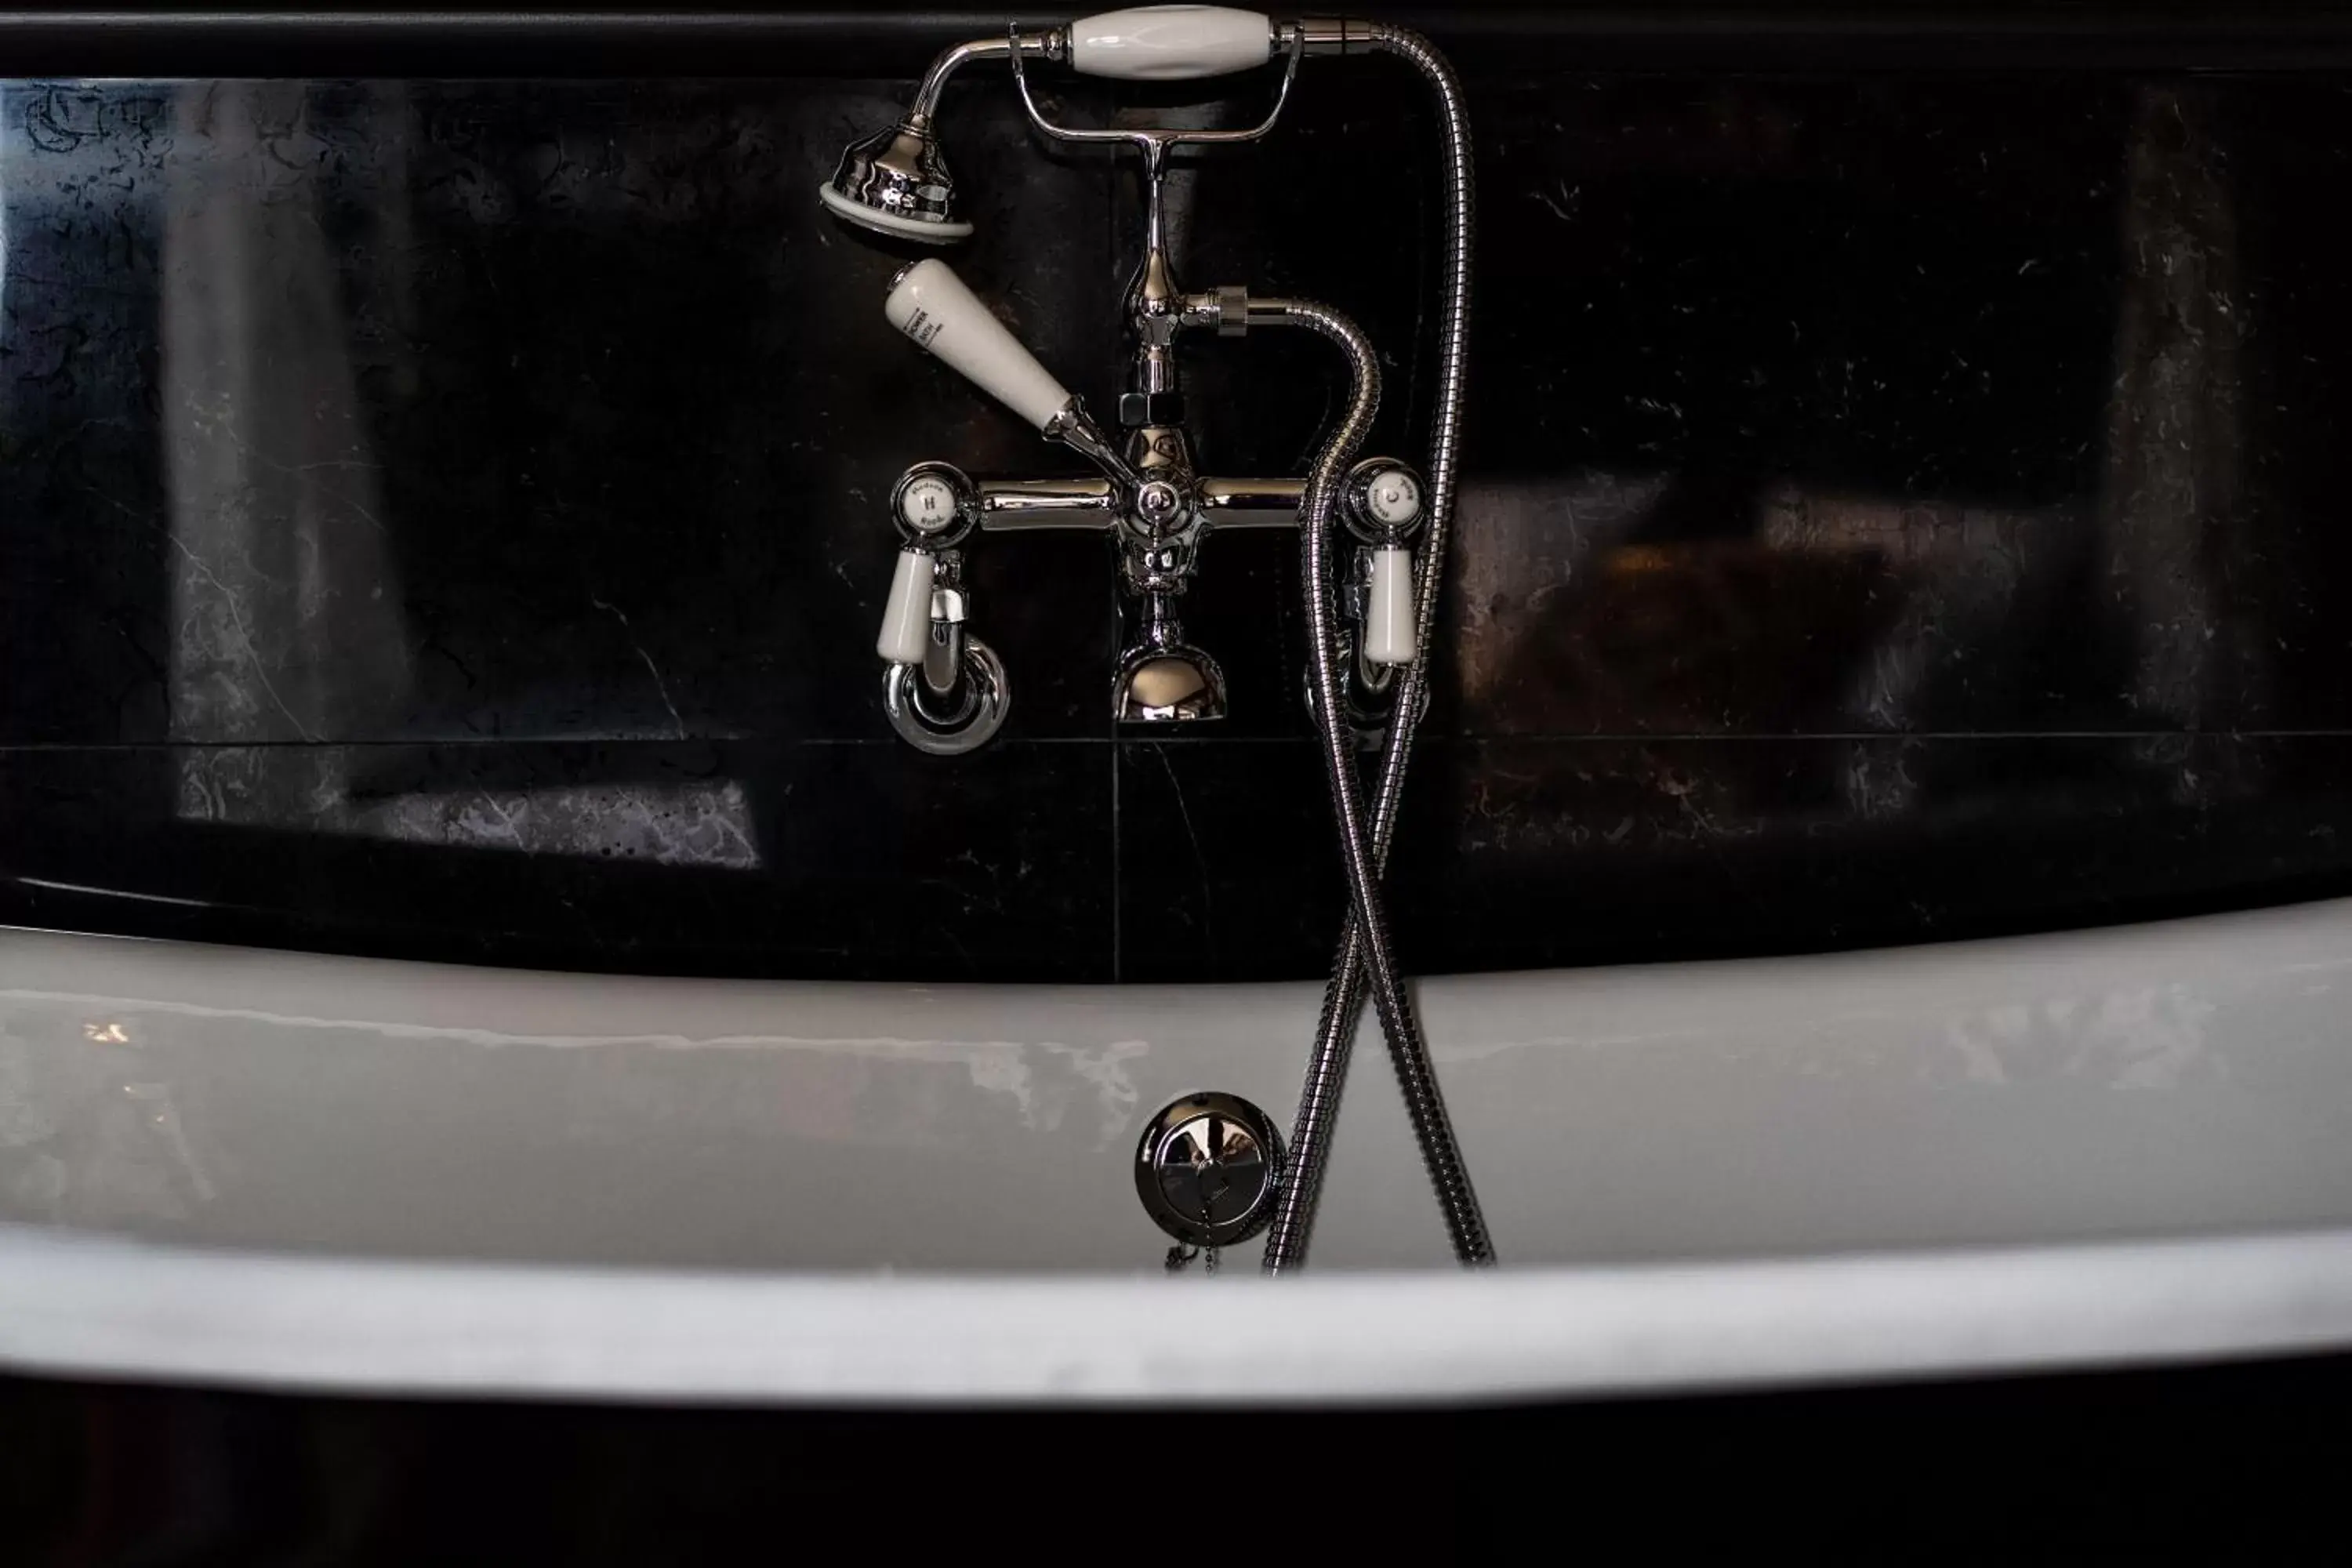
(1370, 612)
(943, 689)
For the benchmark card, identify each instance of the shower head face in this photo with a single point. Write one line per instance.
(895, 182)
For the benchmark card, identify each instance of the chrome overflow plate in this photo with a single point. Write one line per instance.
(1206, 1169)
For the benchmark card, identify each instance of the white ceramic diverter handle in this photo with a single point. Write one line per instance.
(930, 304)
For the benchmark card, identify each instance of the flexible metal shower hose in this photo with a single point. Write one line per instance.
(1364, 947)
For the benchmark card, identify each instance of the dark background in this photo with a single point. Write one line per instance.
(441, 511)
(2236, 1464)
(437, 513)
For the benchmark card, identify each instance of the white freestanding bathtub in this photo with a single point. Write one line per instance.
(277, 1169)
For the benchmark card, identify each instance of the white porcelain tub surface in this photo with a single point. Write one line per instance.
(266, 1166)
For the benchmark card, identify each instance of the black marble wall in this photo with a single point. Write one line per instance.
(443, 518)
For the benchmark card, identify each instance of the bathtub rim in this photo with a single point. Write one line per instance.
(85, 1303)
(76, 1305)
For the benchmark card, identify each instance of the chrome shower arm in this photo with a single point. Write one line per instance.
(1051, 45)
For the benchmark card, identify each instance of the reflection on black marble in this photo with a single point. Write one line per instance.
(443, 518)
(1530, 853)
(856, 861)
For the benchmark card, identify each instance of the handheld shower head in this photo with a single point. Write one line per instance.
(897, 183)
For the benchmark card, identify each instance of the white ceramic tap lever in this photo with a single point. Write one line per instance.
(1170, 43)
(1388, 615)
(930, 304)
(907, 612)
